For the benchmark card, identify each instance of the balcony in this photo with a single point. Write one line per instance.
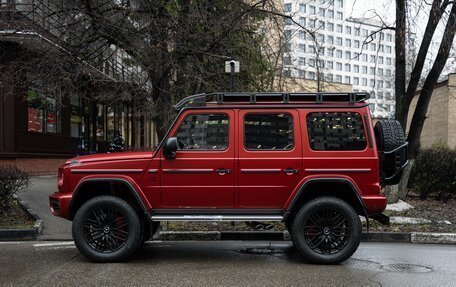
(34, 22)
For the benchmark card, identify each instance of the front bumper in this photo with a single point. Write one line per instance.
(59, 204)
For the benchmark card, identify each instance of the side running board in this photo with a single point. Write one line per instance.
(216, 217)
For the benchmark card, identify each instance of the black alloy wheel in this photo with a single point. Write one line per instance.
(107, 229)
(326, 230)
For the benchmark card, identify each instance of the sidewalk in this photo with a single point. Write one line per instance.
(36, 197)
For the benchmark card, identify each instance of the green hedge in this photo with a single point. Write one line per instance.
(434, 172)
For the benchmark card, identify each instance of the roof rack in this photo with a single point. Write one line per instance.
(284, 98)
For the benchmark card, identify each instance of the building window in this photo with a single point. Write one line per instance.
(389, 37)
(321, 11)
(312, 23)
(288, 21)
(356, 68)
(302, 8)
(330, 65)
(372, 83)
(348, 30)
(339, 28)
(373, 47)
(388, 60)
(287, 35)
(330, 40)
(288, 47)
(339, 15)
(364, 69)
(301, 48)
(372, 58)
(388, 72)
(330, 14)
(321, 38)
(364, 57)
(347, 80)
(287, 60)
(339, 54)
(321, 25)
(204, 132)
(355, 81)
(348, 43)
(380, 59)
(330, 52)
(329, 77)
(302, 61)
(302, 35)
(357, 31)
(372, 71)
(381, 48)
(364, 82)
(339, 41)
(380, 72)
(388, 49)
(347, 55)
(336, 131)
(287, 7)
(347, 68)
(43, 112)
(311, 49)
(338, 79)
(356, 44)
(302, 21)
(338, 66)
(311, 10)
(330, 27)
(76, 118)
(268, 132)
(340, 3)
(312, 76)
(364, 32)
(311, 62)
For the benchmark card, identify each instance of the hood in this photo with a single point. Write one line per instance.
(111, 156)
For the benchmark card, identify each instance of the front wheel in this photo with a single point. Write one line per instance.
(106, 229)
(326, 230)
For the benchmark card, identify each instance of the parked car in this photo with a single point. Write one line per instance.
(314, 161)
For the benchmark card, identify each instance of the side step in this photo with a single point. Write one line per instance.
(205, 217)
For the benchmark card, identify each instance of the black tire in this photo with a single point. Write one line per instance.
(389, 135)
(106, 229)
(314, 223)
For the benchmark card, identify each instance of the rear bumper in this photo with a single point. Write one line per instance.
(375, 204)
(59, 204)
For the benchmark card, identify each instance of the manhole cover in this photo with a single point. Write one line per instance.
(259, 251)
(409, 268)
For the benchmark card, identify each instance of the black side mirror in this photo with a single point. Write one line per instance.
(170, 148)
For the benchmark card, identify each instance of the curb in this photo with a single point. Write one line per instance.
(23, 233)
(387, 237)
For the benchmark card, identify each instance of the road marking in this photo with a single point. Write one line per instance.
(54, 247)
(53, 244)
(13, 242)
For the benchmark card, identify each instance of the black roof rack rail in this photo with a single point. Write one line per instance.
(279, 97)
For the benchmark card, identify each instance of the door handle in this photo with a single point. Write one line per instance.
(290, 171)
(223, 171)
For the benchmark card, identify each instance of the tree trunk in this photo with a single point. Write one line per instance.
(419, 116)
(400, 59)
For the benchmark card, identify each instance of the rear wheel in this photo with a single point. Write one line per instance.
(326, 230)
(106, 229)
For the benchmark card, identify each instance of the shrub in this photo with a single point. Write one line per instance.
(434, 172)
(12, 180)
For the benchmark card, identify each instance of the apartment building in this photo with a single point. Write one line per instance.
(44, 119)
(322, 43)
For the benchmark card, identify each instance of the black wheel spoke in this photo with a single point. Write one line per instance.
(326, 231)
(106, 229)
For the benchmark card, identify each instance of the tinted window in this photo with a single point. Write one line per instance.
(203, 132)
(336, 131)
(268, 132)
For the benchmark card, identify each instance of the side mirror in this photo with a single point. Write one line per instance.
(170, 148)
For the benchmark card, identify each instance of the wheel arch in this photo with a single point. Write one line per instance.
(119, 187)
(328, 186)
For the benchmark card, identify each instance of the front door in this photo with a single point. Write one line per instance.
(270, 157)
(202, 174)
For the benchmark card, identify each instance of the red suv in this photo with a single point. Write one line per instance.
(314, 161)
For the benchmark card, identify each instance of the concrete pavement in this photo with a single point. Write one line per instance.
(226, 263)
(37, 198)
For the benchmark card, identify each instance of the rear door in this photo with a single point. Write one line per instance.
(270, 157)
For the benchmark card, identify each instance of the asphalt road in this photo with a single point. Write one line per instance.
(226, 263)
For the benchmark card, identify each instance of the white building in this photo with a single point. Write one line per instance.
(344, 50)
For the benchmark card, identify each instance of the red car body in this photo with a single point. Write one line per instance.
(231, 181)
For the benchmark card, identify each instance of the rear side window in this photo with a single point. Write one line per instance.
(204, 132)
(336, 131)
(268, 132)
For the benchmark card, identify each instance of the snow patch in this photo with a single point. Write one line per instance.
(408, 220)
(399, 206)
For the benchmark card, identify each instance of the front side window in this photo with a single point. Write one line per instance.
(204, 132)
(268, 132)
(336, 131)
